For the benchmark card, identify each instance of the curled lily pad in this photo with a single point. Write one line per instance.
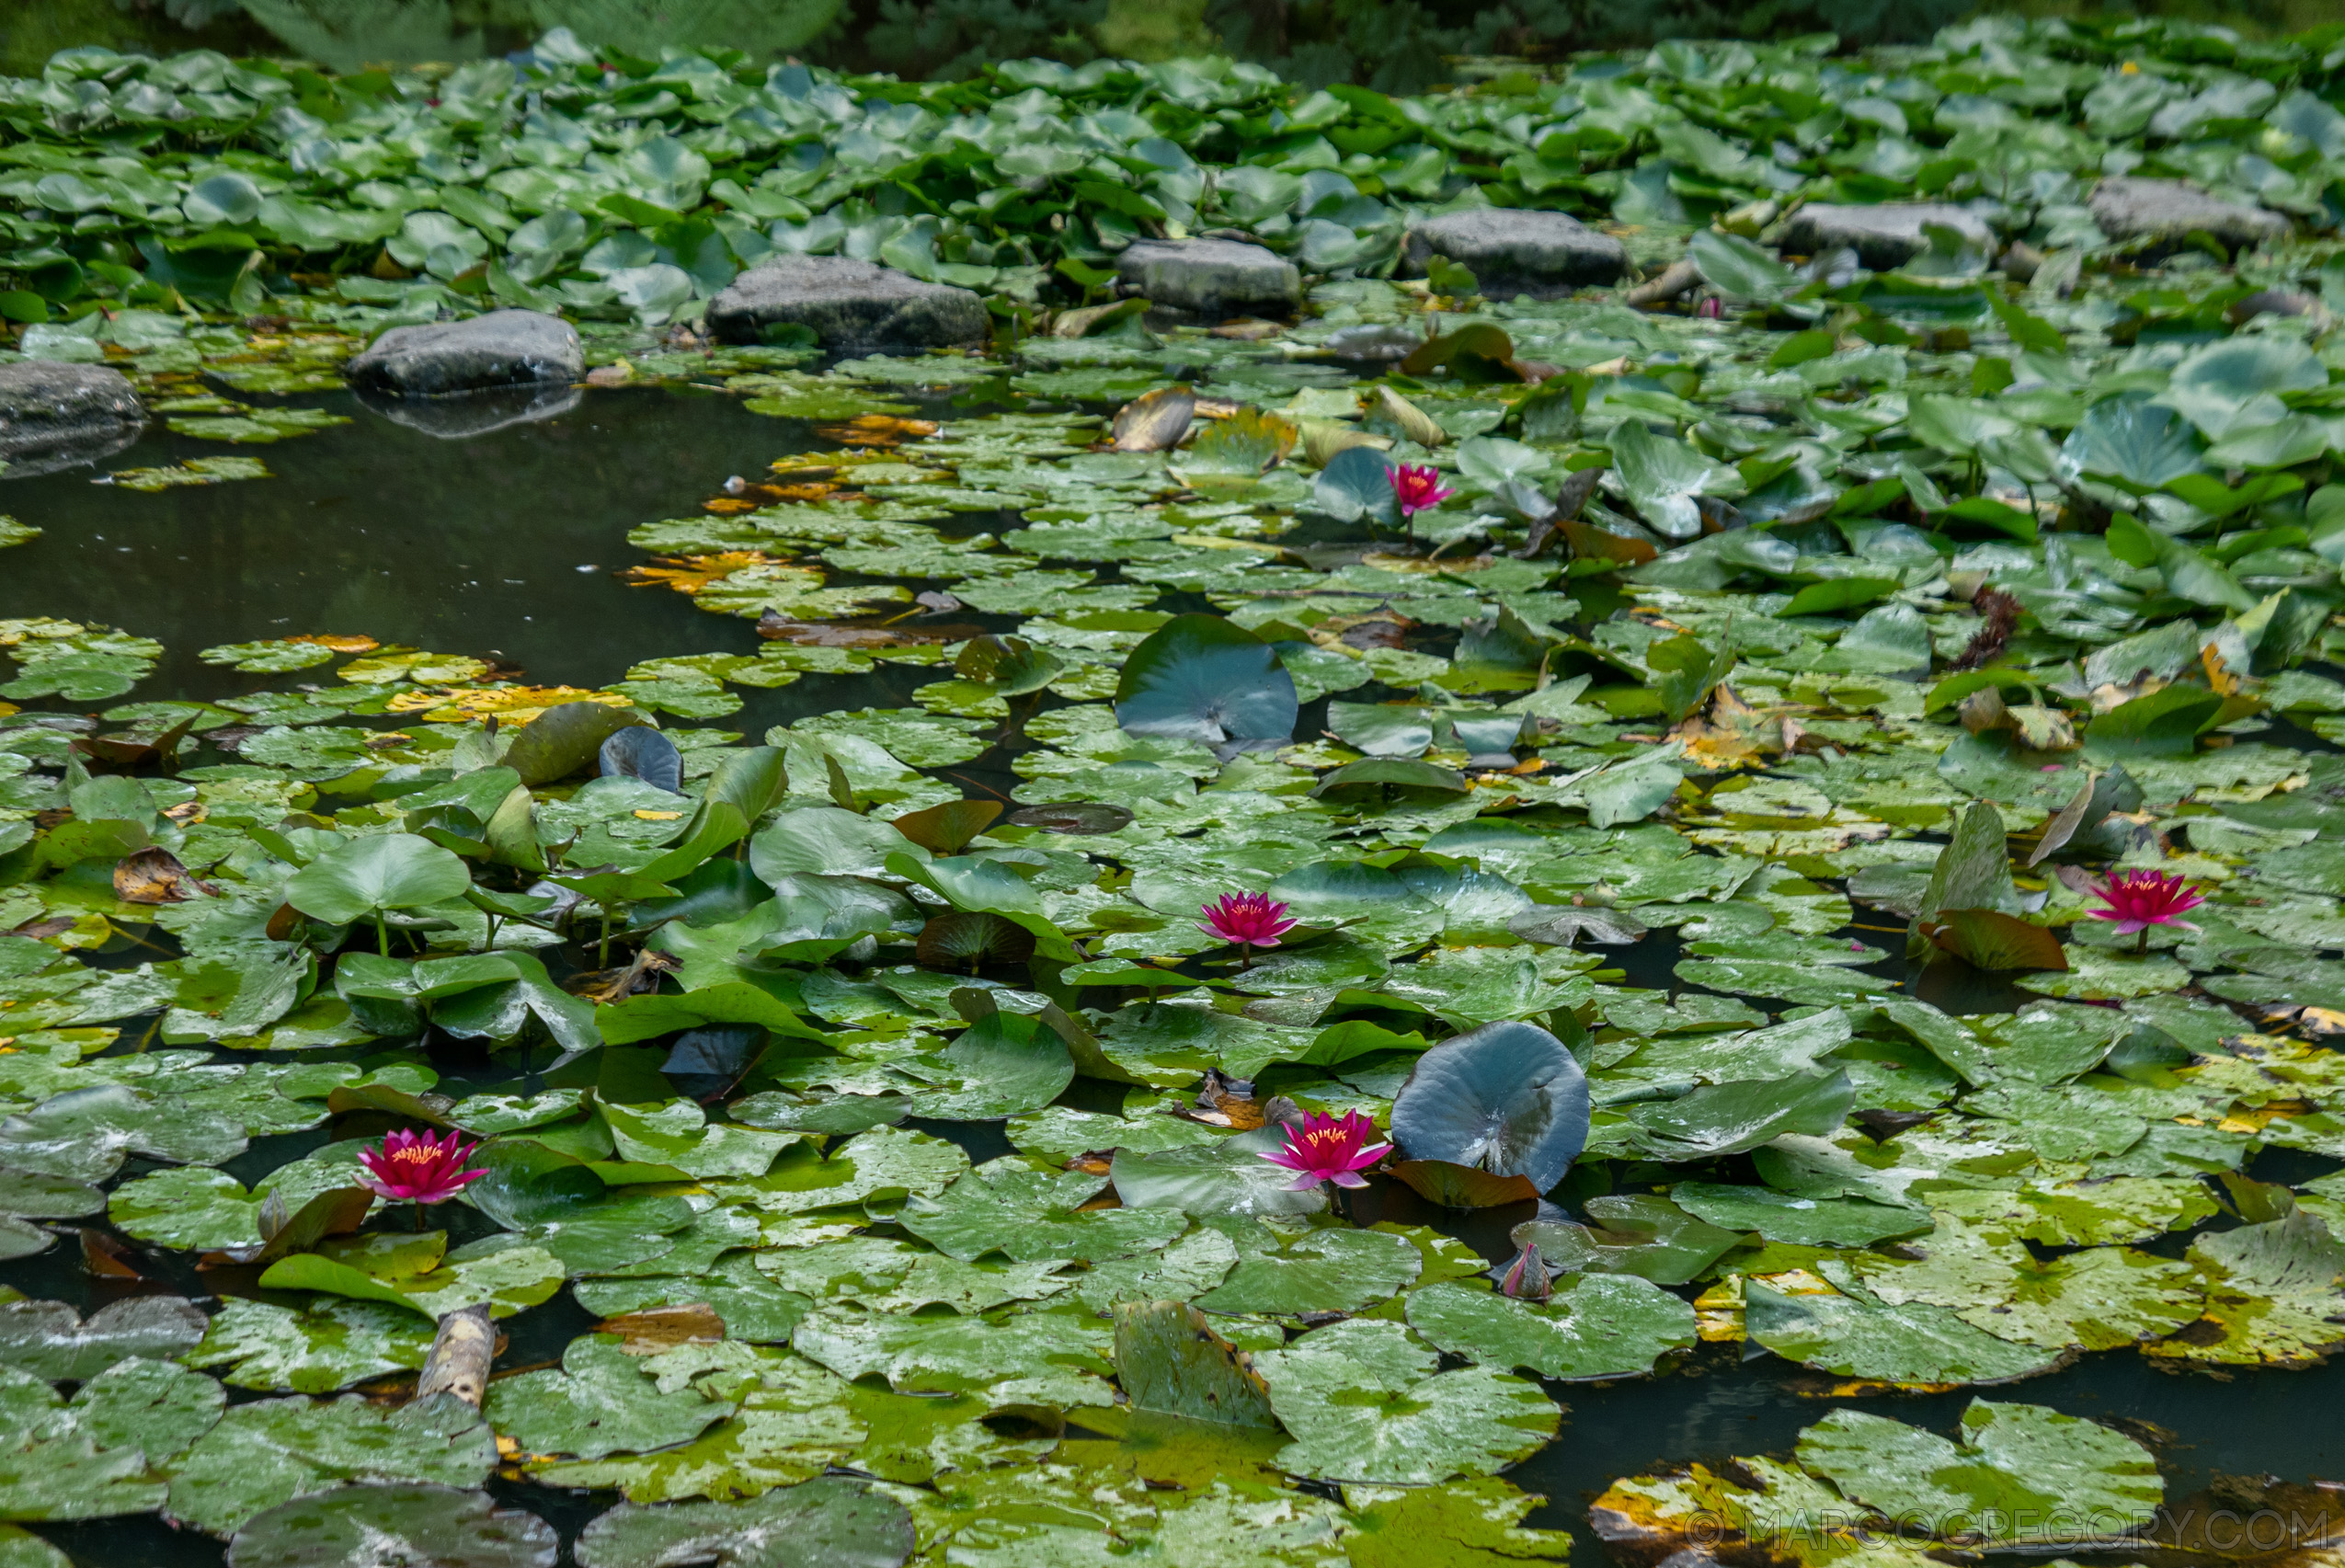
(1356, 483)
(1505, 1098)
(564, 738)
(642, 752)
(947, 828)
(351, 1526)
(969, 940)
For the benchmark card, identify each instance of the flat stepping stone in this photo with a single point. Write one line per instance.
(54, 416)
(1512, 251)
(1883, 237)
(846, 305)
(2167, 211)
(1213, 278)
(504, 348)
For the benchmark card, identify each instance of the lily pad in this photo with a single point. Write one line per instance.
(600, 1402)
(826, 1523)
(354, 1524)
(1595, 1326)
(1364, 1404)
(1506, 1098)
(268, 1452)
(1859, 1338)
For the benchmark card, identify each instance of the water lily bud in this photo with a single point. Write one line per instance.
(1525, 1278)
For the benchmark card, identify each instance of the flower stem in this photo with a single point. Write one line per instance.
(419, 1217)
(2140, 941)
(381, 935)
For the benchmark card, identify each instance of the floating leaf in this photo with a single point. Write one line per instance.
(1913, 1344)
(1597, 1326)
(1505, 1098)
(1168, 1359)
(352, 1525)
(1202, 678)
(830, 1522)
(1364, 1404)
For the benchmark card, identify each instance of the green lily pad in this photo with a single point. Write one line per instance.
(268, 1452)
(1913, 1344)
(1596, 1325)
(51, 1340)
(600, 1402)
(1007, 1206)
(1364, 1404)
(825, 1523)
(331, 1345)
(345, 1526)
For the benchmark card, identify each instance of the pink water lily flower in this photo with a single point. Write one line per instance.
(1329, 1149)
(419, 1168)
(2139, 900)
(1418, 488)
(1248, 919)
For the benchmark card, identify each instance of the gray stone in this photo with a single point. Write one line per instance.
(1212, 278)
(1510, 251)
(848, 304)
(1886, 236)
(2165, 213)
(54, 416)
(504, 348)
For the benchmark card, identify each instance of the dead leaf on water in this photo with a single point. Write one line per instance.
(461, 705)
(663, 1328)
(1155, 421)
(1247, 329)
(690, 574)
(153, 876)
(876, 430)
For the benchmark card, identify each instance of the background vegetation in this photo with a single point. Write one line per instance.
(1395, 45)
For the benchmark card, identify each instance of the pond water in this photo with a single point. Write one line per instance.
(506, 547)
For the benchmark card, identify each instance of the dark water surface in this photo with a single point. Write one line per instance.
(500, 545)
(503, 545)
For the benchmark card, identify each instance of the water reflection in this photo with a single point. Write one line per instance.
(497, 545)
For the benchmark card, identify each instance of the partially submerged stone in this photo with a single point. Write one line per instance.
(2165, 212)
(846, 305)
(1510, 251)
(503, 348)
(54, 416)
(1883, 237)
(1211, 278)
